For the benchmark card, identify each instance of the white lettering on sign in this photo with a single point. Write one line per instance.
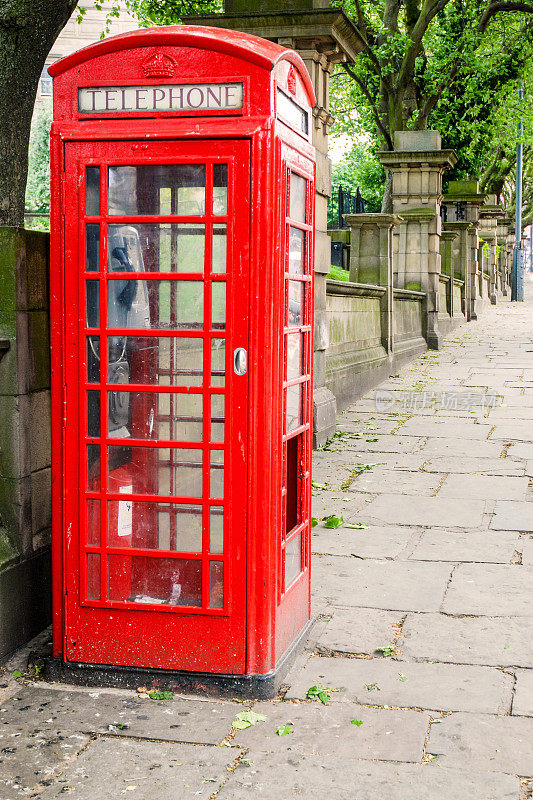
(187, 97)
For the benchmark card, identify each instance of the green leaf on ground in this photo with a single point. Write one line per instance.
(319, 692)
(316, 485)
(372, 687)
(357, 722)
(314, 522)
(17, 673)
(402, 677)
(156, 695)
(358, 526)
(332, 521)
(283, 730)
(245, 719)
(386, 651)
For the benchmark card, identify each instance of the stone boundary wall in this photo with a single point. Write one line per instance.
(358, 358)
(25, 460)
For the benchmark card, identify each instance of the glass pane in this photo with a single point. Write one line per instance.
(219, 248)
(216, 537)
(294, 407)
(155, 304)
(293, 559)
(296, 251)
(298, 198)
(158, 415)
(92, 191)
(92, 233)
(93, 359)
(93, 576)
(93, 522)
(93, 467)
(93, 413)
(217, 418)
(216, 584)
(157, 189)
(218, 361)
(93, 303)
(294, 355)
(296, 303)
(220, 190)
(164, 471)
(168, 361)
(217, 473)
(154, 526)
(163, 581)
(218, 311)
(156, 248)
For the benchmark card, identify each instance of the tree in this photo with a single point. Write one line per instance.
(28, 29)
(431, 61)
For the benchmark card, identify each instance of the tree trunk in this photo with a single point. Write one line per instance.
(28, 29)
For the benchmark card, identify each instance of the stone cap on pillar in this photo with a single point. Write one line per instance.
(457, 225)
(464, 192)
(380, 220)
(301, 24)
(449, 236)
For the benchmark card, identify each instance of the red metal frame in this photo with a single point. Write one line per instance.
(260, 616)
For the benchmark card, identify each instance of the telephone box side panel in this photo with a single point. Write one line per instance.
(264, 414)
(57, 349)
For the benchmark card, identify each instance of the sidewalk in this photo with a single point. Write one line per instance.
(424, 633)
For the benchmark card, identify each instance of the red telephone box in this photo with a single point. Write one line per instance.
(182, 319)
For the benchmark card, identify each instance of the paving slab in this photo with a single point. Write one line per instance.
(449, 428)
(440, 544)
(282, 776)
(484, 487)
(509, 431)
(520, 449)
(498, 590)
(382, 481)
(484, 742)
(465, 465)
(386, 735)
(372, 542)
(499, 641)
(354, 630)
(523, 695)
(461, 447)
(328, 501)
(392, 585)
(426, 511)
(121, 713)
(144, 770)
(513, 516)
(526, 548)
(384, 444)
(444, 687)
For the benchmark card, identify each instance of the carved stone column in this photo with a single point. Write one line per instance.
(417, 165)
(462, 201)
(322, 36)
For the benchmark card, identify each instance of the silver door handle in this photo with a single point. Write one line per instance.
(240, 361)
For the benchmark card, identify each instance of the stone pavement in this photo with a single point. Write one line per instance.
(423, 639)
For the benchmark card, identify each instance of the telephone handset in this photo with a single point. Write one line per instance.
(127, 307)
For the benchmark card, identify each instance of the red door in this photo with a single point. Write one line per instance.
(156, 281)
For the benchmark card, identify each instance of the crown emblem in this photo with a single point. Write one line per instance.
(159, 65)
(291, 80)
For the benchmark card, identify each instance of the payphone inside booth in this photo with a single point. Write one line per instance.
(182, 316)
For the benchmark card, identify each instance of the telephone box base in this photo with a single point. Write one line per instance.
(257, 686)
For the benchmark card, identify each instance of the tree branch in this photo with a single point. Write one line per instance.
(382, 129)
(501, 5)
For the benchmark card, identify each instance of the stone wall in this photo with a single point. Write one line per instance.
(25, 507)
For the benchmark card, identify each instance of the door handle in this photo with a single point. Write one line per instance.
(240, 361)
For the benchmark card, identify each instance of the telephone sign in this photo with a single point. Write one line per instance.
(182, 318)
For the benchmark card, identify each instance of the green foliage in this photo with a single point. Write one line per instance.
(338, 274)
(361, 168)
(156, 695)
(38, 185)
(319, 692)
(245, 719)
(283, 730)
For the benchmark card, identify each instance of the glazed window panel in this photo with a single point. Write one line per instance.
(298, 194)
(296, 251)
(151, 247)
(155, 360)
(295, 303)
(135, 190)
(158, 470)
(155, 304)
(154, 526)
(155, 581)
(294, 407)
(294, 353)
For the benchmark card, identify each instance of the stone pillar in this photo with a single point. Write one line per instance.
(447, 239)
(501, 238)
(323, 36)
(463, 200)
(25, 460)
(489, 214)
(417, 165)
(461, 255)
(371, 262)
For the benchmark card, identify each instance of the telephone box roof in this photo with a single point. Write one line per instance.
(250, 48)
